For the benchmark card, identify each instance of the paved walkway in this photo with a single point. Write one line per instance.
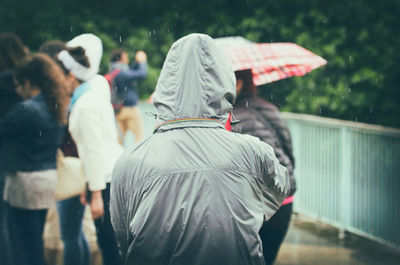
(310, 242)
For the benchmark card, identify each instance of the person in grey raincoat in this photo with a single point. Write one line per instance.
(193, 192)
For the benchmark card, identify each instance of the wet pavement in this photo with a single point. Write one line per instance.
(312, 242)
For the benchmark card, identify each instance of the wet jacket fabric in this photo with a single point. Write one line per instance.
(194, 193)
(261, 119)
(93, 127)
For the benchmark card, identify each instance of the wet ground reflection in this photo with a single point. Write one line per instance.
(310, 242)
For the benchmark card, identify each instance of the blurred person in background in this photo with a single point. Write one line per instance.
(260, 118)
(33, 130)
(52, 48)
(12, 52)
(125, 97)
(92, 126)
(71, 210)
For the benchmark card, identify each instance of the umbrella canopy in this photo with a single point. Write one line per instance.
(269, 62)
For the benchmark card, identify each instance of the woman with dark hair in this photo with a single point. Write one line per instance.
(260, 118)
(12, 51)
(92, 126)
(32, 131)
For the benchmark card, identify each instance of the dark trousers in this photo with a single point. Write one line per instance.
(5, 250)
(105, 233)
(26, 231)
(273, 232)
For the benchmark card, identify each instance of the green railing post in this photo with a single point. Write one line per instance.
(345, 180)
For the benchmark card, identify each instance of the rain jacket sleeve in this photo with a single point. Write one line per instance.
(138, 73)
(90, 146)
(274, 178)
(119, 214)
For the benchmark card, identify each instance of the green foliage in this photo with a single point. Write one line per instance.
(359, 38)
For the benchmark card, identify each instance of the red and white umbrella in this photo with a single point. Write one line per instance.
(269, 62)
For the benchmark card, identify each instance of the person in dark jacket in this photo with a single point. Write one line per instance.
(32, 131)
(12, 51)
(127, 114)
(260, 118)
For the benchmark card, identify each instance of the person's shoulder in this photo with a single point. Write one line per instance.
(250, 142)
(94, 98)
(27, 108)
(133, 158)
(98, 80)
(263, 103)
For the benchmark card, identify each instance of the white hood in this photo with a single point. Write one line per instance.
(93, 50)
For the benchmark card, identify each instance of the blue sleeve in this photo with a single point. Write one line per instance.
(138, 72)
(14, 121)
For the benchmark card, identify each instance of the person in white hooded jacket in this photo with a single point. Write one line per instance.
(92, 126)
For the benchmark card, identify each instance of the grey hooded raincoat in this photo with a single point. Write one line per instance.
(194, 193)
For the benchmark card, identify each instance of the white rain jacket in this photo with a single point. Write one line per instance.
(91, 122)
(194, 193)
(93, 127)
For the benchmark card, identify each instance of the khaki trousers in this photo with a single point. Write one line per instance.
(129, 118)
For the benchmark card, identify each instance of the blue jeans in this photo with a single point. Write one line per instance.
(76, 248)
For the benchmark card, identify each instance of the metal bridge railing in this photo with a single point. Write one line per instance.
(348, 175)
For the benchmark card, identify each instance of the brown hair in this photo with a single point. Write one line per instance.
(248, 84)
(78, 53)
(52, 48)
(42, 72)
(12, 51)
(116, 54)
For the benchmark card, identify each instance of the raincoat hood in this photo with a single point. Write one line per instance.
(196, 81)
(93, 50)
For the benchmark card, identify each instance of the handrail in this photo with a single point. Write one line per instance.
(337, 122)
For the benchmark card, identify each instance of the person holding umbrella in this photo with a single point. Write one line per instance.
(260, 118)
(256, 64)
